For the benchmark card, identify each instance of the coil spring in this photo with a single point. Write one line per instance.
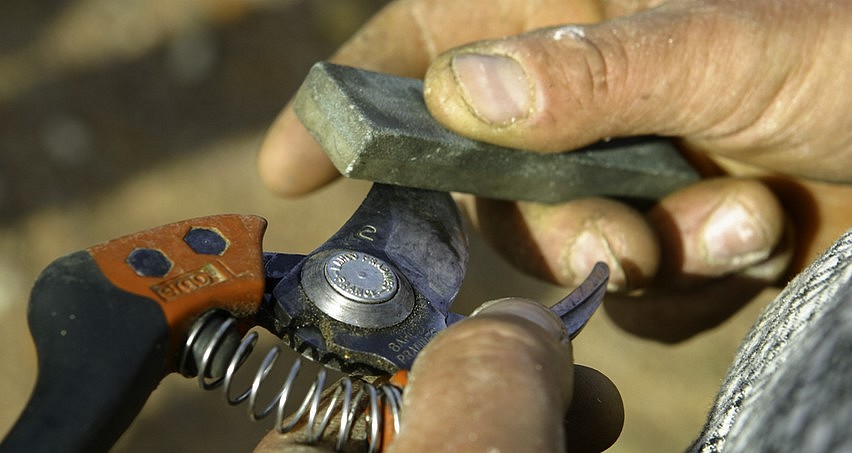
(211, 335)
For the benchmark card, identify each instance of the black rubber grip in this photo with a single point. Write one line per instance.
(101, 352)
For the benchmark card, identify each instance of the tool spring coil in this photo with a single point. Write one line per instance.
(214, 353)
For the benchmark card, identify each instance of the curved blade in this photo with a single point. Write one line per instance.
(578, 307)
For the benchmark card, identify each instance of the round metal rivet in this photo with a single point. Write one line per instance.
(356, 288)
(361, 277)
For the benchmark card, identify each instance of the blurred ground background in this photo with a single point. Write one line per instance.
(120, 115)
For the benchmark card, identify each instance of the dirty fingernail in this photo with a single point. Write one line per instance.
(734, 236)
(588, 248)
(495, 87)
(527, 309)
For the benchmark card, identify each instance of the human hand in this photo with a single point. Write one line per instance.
(501, 380)
(753, 88)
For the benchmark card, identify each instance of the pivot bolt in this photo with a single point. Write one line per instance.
(357, 288)
(361, 277)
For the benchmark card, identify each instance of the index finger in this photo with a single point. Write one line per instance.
(403, 39)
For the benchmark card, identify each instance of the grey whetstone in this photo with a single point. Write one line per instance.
(376, 127)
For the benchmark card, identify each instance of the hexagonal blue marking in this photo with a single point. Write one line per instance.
(149, 262)
(206, 241)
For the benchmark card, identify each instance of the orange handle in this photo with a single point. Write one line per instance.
(190, 267)
(400, 379)
(108, 323)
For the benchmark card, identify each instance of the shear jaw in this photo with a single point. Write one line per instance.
(369, 299)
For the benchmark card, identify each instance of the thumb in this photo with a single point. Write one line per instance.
(501, 381)
(469, 385)
(730, 77)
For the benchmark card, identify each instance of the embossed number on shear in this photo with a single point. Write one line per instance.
(367, 232)
(407, 346)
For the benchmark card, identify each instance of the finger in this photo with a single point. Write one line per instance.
(467, 385)
(818, 211)
(290, 161)
(596, 417)
(618, 8)
(561, 243)
(275, 442)
(402, 39)
(657, 72)
(717, 227)
(670, 314)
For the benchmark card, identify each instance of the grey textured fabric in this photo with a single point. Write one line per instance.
(790, 386)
